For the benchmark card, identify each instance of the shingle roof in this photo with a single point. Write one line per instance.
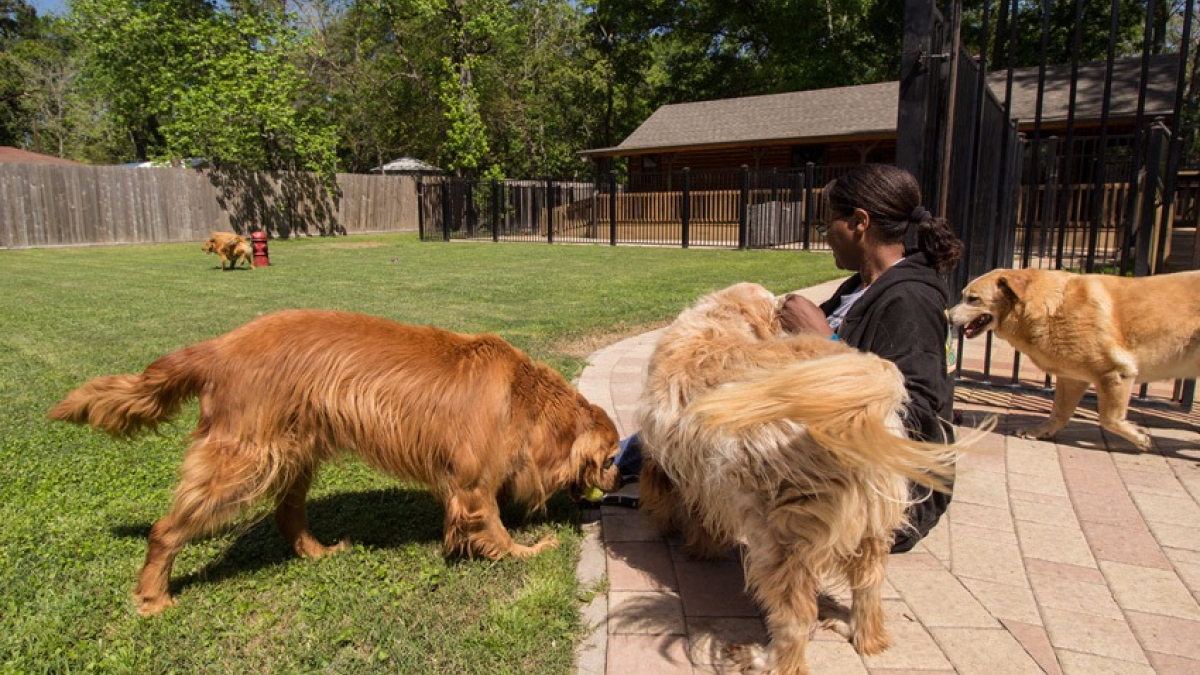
(1160, 95)
(862, 109)
(869, 110)
(11, 155)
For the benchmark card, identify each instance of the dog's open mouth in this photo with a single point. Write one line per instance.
(977, 326)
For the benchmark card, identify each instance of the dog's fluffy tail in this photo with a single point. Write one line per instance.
(124, 405)
(845, 403)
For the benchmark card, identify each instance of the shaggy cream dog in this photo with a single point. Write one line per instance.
(792, 446)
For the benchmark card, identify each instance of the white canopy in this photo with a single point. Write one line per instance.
(407, 165)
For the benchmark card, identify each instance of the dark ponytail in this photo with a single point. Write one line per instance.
(892, 197)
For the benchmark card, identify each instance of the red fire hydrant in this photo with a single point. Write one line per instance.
(258, 240)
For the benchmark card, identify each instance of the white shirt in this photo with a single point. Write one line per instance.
(838, 315)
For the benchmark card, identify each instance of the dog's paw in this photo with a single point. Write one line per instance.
(548, 541)
(837, 625)
(1136, 434)
(309, 548)
(1142, 440)
(749, 659)
(518, 551)
(1039, 433)
(150, 606)
(871, 644)
(341, 546)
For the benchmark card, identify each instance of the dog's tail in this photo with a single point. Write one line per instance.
(124, 405)
(845, 403)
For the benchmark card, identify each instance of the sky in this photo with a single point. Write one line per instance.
(44, 7)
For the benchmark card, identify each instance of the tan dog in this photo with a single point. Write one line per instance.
(231, 248)
(790, 445)
(469, 415)
(1098, 329)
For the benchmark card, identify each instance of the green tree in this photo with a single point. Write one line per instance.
(47, 71)
(488, 88)
(44, 105)
(190, 78)
(374, 64)
(541, 92)
(18, 26)
(1091, 17)
(471, 29)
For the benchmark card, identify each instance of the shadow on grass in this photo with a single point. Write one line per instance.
(380, 519)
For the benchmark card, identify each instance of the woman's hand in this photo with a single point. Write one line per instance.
(798, 314)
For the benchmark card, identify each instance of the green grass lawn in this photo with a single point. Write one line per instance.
(75, 505)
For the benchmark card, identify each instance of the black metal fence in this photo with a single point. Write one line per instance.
(1067, 198)
(736, 208)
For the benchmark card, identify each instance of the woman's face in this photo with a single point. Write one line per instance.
(844, 234)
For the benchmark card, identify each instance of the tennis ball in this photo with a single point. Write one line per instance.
(593, 494)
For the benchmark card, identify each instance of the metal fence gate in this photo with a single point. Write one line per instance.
(1056, 197)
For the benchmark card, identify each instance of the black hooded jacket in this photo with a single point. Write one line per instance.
(902, 317)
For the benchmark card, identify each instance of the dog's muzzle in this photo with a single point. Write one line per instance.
(609, 480)
(978, 325)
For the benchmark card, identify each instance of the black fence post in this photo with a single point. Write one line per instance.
(420, 209)
(770, 233)
(1050, 193)
(1143, 264)
(810, 175)
(744, 210)
(446, 210)
(495, 210)
(913, 112)
(685, 208)
(549, 210)
(469, 206)
(593, 231)
(612, 208)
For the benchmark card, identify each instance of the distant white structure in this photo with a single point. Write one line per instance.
(187, 163)
(407, 165)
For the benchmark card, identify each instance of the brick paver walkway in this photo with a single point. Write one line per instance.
(1079, 556)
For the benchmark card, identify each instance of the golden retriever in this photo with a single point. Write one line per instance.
(470, 416)
(1107, 331)
(231, 248)
(790, 445)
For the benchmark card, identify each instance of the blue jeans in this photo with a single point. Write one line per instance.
(629, 457)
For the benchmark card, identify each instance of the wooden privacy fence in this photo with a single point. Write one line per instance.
(47, 205)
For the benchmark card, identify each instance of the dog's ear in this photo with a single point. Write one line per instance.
(1013, 285)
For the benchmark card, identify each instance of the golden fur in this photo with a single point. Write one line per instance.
(792, 446)
(471, 416)
(231, 248)
(1104, 330)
